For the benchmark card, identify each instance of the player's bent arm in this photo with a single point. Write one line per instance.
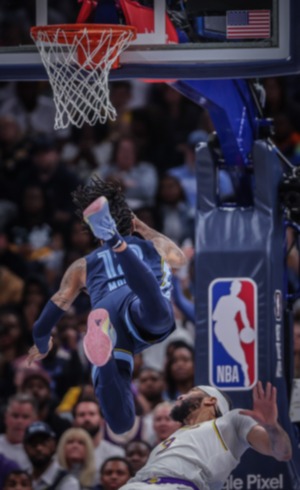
(271, 441)
(72, 283)
(166, 248)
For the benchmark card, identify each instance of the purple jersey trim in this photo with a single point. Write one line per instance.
(166, 479)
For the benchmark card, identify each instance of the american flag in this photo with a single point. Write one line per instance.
(248, 24)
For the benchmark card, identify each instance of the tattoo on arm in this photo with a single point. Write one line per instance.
(168, 250)
(280, 443)
(72, 282)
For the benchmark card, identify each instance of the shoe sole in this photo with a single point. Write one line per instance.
(94, 207)
(97, 343)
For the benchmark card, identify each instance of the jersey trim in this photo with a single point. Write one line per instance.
(215, 427)
(123, 355)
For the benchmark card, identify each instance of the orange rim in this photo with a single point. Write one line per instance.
(64, 34)
(71, 30)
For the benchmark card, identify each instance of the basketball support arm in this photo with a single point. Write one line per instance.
(233, 111)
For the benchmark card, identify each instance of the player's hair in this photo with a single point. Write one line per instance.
(84, 195)
(218, 412)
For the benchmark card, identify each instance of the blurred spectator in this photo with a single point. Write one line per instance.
(17, 480)
(286, 138)
(12, 345)
(63, 366)
(297, 349)
(37, 382)
(180, 371)
(35, 295)
(75, 453)
(40, 446)
(186, 173)
(86, 155)
(88, 417)
(20, 413)
(11, 260)
(185, 305)
(137, 453)
(151, 387)
(34, 111)
(138, 178)
(7, 467)
(177, 116)
(31, 232)
(177, 221)
(72, 396)
(276, 100)
(13, 152)
(46, 170)
(115, 472)
(11, 287)
(163, 423)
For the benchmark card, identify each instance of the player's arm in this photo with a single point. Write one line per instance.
(268, 437)
(72, 283)
(166, 248)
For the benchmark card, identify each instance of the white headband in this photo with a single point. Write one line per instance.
(223, 404)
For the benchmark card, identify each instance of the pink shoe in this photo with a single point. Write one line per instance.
(100, 338)
(99, 219)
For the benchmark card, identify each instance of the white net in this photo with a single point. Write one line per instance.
(78, 70)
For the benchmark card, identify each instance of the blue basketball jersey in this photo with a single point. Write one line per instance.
(105, 275)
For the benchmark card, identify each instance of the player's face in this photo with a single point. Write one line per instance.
(186, 404)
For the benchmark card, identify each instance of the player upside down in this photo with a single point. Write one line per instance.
(129, 285)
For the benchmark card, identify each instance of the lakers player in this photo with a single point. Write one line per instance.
(202, 454)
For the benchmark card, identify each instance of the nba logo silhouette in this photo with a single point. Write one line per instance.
(233, 333)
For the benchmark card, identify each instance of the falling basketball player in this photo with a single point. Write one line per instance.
(226, 327)
(129, 285)
(203, 453)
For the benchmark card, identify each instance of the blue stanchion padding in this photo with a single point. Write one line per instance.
(239, 285)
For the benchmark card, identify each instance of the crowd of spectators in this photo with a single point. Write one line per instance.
(53, 434)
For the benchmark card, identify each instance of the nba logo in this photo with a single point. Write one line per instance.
(233, 333)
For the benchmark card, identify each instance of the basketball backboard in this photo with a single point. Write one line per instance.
(176, 40)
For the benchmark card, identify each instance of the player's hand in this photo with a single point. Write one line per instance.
(265, 410)
(35, 355)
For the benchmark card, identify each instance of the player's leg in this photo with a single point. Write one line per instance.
(152, 312)
(112, 385)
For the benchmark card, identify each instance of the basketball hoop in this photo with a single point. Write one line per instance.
(78, 59)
